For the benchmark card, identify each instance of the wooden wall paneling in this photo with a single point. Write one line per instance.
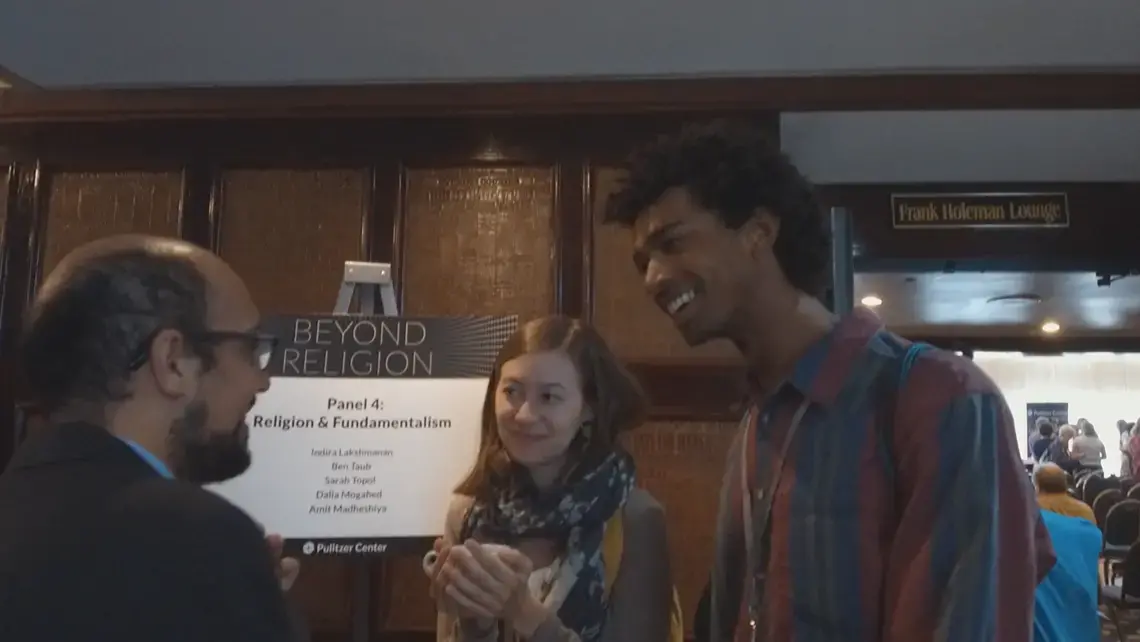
(572, 240)
(288, 232)
(383, 224)
(479, 240)
(197, 216)
(88, 205)
(682, 464)
(25, 201)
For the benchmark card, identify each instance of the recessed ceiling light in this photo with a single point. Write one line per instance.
(1050, 327)
(871, 301)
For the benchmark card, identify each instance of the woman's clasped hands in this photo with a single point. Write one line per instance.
(485, 583)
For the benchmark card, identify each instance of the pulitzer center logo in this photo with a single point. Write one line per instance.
(308, 547)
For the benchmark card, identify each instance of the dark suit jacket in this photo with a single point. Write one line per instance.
(96, 546)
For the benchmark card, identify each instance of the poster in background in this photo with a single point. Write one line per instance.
(1056, 413)
(368, 425)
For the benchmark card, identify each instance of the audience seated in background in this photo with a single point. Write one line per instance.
(1053, 493)
(1065, 607)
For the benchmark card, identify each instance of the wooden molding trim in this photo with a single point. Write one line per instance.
(1091, 89)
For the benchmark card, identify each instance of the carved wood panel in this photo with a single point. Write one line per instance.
(633, 324)
(289, 232)
(85, 206)
(681, 464)
(479, 241)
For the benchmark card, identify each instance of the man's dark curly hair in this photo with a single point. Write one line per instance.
(732, 169)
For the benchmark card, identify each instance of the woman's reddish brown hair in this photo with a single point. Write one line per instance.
(608, 389)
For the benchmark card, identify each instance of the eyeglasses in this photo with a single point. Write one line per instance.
(261, 346)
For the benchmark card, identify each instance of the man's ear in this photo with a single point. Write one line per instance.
(759, 233)
(172, 364)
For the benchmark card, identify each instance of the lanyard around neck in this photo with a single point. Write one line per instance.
(765, 497)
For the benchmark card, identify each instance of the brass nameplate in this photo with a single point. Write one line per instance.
(947, 211)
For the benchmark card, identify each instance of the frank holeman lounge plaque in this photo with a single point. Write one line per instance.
(368, 424)
(995, 211)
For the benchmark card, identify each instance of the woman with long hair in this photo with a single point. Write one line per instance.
(1087, 448)
(525, 555)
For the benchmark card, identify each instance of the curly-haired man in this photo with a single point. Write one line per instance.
(876, 492)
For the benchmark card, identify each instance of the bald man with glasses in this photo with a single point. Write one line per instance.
(143, 356)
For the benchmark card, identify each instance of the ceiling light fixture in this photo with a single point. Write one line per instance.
(871, 301)
(1050, 327)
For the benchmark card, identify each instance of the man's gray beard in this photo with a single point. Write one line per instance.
(202, 457)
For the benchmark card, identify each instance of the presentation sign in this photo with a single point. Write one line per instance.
(368, 425)
(1056, 413)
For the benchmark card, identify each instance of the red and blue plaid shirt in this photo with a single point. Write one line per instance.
(933, 537)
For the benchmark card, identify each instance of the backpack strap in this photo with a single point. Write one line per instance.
(613, 541)
(892, 381)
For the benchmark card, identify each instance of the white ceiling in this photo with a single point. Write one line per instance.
(934, 304)
(123, 42)
(965, 146)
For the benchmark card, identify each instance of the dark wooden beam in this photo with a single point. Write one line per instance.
(1094, 89)
(338, 142)
(572, 228)
(196, 214)
(19, 271)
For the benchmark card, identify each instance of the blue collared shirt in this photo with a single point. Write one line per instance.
(150, 459)
(1066, 609)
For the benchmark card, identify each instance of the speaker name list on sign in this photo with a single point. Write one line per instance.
(347, 480)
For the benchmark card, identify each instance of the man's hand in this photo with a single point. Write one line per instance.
(288, 568)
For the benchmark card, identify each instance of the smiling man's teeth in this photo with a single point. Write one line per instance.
(681, 301)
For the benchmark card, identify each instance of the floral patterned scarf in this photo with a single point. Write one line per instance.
(573, 514)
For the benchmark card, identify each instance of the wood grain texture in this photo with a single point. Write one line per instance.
(479, 241)
(682, 464)
(1066, 89)
(85, 206)
(289, 232)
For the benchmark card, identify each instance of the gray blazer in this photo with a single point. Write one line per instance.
(640, 598)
